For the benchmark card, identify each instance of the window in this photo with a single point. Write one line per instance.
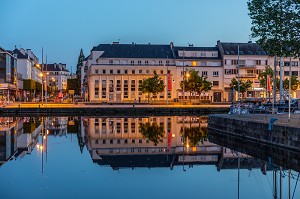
(294, 63)
(132, 85)
(118, 85)
(258, 62)
(295, 73)
(111, 141)
(146, 62)
(111, 71)
(160, 63)
(147, 71)
(103, 141)
(111, 62)
(125, 88)
(111, 85)
(230, 71)
(132, 63)
(126, 71)
(204, 73)
(103, 88)
(162, 72)
(103, 71)
(215, 73)
(118, 71)
(96, 71)
(139, 62)
(133, 72)
(168, 63)
(215, 83)
(140, 71)
(202, 54)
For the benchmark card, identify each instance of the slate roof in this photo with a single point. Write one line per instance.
(134, 51)
(181, 48)
(19, 54)
(245, 49)
(52, 67)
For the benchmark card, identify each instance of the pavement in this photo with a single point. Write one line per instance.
(91, 105)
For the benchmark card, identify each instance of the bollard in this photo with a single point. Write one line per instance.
(272, 121)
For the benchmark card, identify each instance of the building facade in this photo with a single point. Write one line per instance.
(113, 72)
(8, 78)
(55, 77)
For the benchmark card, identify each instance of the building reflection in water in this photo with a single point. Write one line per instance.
(152, 142)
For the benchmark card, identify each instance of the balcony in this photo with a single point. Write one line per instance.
(243, 65)
(247, 75)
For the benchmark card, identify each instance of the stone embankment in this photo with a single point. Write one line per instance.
(283, 133)
(111, 111)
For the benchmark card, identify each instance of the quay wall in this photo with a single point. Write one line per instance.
(111, 111)
(282, 135)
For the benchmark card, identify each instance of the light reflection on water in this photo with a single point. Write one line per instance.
(153, 157)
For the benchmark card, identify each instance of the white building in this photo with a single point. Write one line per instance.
(56, 76)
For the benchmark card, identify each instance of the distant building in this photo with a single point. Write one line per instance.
(8, 78)
(56, 76)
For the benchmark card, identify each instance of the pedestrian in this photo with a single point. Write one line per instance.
(134, 103)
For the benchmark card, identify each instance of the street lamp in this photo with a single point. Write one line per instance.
(42, 87)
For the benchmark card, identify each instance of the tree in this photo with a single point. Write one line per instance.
(72, 84)
(244, 85)
(79, 63)
(152, 85)
(195, 83)
(263, 76)
(152, 131)
(294, 83)
(275, 23)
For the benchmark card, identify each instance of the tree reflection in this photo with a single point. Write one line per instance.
(193, 135)
(152, 131)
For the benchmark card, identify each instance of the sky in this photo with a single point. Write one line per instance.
(63, 27)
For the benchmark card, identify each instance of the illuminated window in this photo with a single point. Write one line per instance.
(194, 63)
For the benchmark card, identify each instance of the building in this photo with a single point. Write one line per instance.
(113, 72)
(56, 76)
(27, 68)
(8, 78)
(208, 62)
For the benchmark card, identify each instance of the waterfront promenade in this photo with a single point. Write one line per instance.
(97, 109)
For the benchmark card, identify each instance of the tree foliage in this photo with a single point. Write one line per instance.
(152, 85)
(73, 84)
(195, 83)
(193, 135)
(152, 131)
(276, 25)
(29, 84)
(244, 85)
(264, 75)
(79, 62)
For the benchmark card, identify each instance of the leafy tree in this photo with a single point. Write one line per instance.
(73, 84)
(294, 83)
(152, 131)
(244, 85)
(152, 85)
(276, 25)
(29, 85)
(195, 83)
(263, 78)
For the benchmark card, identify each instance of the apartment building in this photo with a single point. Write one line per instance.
(114, 72)
(56, 76)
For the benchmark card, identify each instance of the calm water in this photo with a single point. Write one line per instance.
(154, 157)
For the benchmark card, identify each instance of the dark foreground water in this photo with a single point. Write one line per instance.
(156, 157)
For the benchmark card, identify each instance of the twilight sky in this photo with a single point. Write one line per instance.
(62, 27)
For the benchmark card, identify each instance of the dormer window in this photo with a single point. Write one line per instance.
(132, 62)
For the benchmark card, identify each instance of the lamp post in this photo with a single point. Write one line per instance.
(183, 74)
(239, 88)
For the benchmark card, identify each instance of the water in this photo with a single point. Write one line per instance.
(154, 157)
